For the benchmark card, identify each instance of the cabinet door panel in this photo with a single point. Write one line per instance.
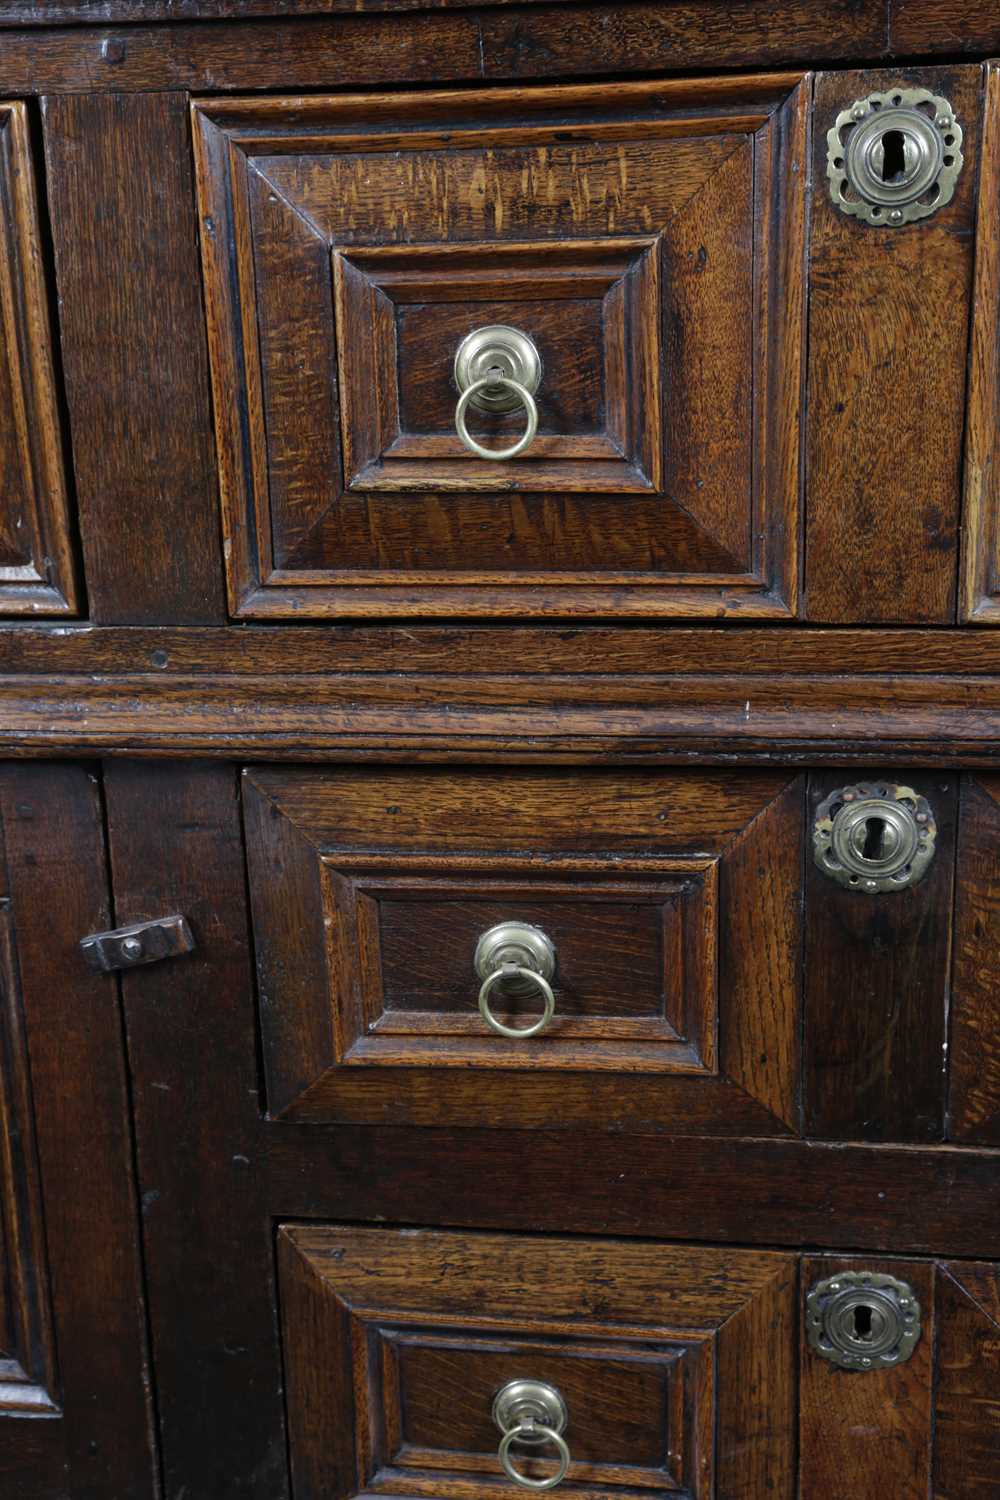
(74, 1386)
(649, 238)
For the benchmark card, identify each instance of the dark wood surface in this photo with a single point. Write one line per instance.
(634, 1365)
(101, 1443)
(560, 211)
(877, 981)
(352, 874)
(974, 1101)
(979, 582)
(134, 354)
(37, 545)
(196, 1105)
(886, 426)
(779, 719)
(838, 1088)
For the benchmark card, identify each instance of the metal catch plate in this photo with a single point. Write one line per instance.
(894, 156)
(862, 1320)
(140, 943)
(874, 837)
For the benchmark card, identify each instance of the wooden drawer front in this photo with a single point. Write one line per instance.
(671, 900)
(648, 237)
(414, 1333)
(708, 977)
(36, 545)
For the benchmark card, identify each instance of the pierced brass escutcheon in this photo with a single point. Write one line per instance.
(862, 1320)
(874, 837)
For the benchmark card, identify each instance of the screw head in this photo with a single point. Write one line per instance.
(944, 122)
(896, 216)
(131, 949)
(859, 111)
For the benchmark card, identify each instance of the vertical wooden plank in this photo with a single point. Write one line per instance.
(967, 1407)
(133, 335)
(974, 1071)
(876, 989)
(867, 1435)
(175, 842)
(56, 856)
(888, 343)
(979, 596)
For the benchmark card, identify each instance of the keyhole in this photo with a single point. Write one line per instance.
(874, 838)
(862, 1323)
(894, 164)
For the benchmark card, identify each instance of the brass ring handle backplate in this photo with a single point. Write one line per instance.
(534, 1413)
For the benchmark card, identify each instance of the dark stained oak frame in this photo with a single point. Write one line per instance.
(734, 534)
(37, 570)
(332, 1051)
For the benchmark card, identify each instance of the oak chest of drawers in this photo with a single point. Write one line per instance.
(499, 749)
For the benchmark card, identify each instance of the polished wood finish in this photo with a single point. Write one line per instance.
(664, 1375)
(877, 979)
(980, 576)
(196, 1107)
(802, 720)
(85, 1424)
(37, 566)
(557, 210)
(754, 1076)
(369, 893)
(134, 357)
(888, 349)
(974, 1100)
(28, 1376)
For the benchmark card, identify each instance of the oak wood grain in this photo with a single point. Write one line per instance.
(37, 540)
(206, 1235)
(119, 180)
(877, 977)
(423, 201)
(885, 424)
(967, 1413)
(979, 581)
(641, 1344)
(59, 892)
(974, 1051)
(870, 1434)
(778, 719)
(359, 883)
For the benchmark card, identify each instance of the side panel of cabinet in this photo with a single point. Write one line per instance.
(74, 1386)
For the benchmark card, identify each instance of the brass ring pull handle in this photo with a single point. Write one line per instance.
(495, 380)
(497, 369)
(516, 971)
(518, 960)
(531, 1412)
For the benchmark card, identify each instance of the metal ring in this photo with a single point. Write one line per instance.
(516, 971)
(558, 1442)
(527, 401)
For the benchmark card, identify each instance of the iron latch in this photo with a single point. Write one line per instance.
(140, 943)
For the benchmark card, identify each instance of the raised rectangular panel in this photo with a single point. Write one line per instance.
(671, 901)
(36, 545)
(396, 1344)
(648, 237)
